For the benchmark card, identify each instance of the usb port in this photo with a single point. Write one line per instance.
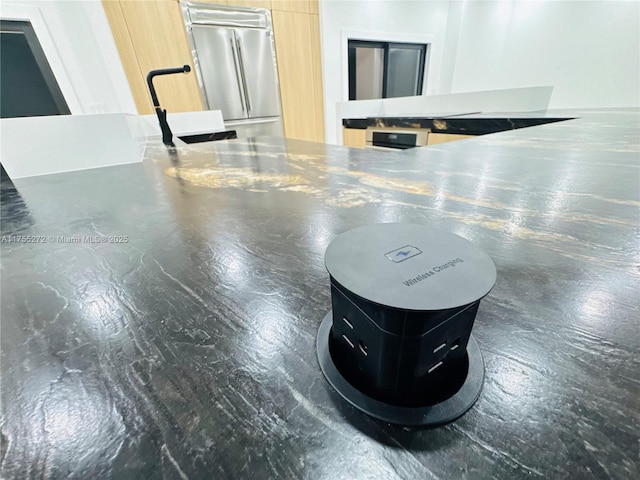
(439, 347)
(434, 367)
(348, 341)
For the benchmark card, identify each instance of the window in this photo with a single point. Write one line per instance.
(385, 70)
(29, 87)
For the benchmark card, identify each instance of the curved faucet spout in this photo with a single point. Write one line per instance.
(167, 136)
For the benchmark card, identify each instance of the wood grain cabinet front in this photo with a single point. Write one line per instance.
(297, 38)
(151, 35)
(354, 137)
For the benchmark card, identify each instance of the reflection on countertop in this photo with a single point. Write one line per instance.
(180, 343)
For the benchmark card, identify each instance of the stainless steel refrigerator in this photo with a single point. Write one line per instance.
(235, 62)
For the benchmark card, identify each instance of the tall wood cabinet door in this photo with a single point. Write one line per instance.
(158, 36)
(318, 91)
(128, 56)
(301, 109)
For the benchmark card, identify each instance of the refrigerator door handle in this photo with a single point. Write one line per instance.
(244, 82)
(235, 64)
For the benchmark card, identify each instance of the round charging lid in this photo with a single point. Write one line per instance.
(410, 266)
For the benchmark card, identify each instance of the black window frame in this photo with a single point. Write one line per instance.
(385, 46)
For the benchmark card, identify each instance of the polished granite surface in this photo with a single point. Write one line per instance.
(159, 319)
(459, 124)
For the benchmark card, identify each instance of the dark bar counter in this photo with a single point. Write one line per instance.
(468, 124)
(159, 319)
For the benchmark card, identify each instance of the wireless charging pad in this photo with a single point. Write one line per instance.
(397, 343)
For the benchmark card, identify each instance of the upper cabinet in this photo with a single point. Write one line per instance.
(151, 35)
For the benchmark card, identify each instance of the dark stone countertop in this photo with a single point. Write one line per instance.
(469, 124)
(186, 349)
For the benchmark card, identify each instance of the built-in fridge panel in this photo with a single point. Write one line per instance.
(220, 71)
(257, 62)
(235, 62)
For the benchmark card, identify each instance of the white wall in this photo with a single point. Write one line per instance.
(77, 40)
(589, 51)
(410, 21)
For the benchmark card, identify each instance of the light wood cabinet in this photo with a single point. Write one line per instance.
(354, 137)
(128, 56)
(297, 38)
(435, 138)
(150, 35)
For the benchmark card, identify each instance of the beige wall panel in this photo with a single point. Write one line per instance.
(158, 36)
(313, 7)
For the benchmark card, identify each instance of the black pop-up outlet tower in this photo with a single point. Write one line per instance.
(397, 343)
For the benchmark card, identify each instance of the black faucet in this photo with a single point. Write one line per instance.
(167, 136)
